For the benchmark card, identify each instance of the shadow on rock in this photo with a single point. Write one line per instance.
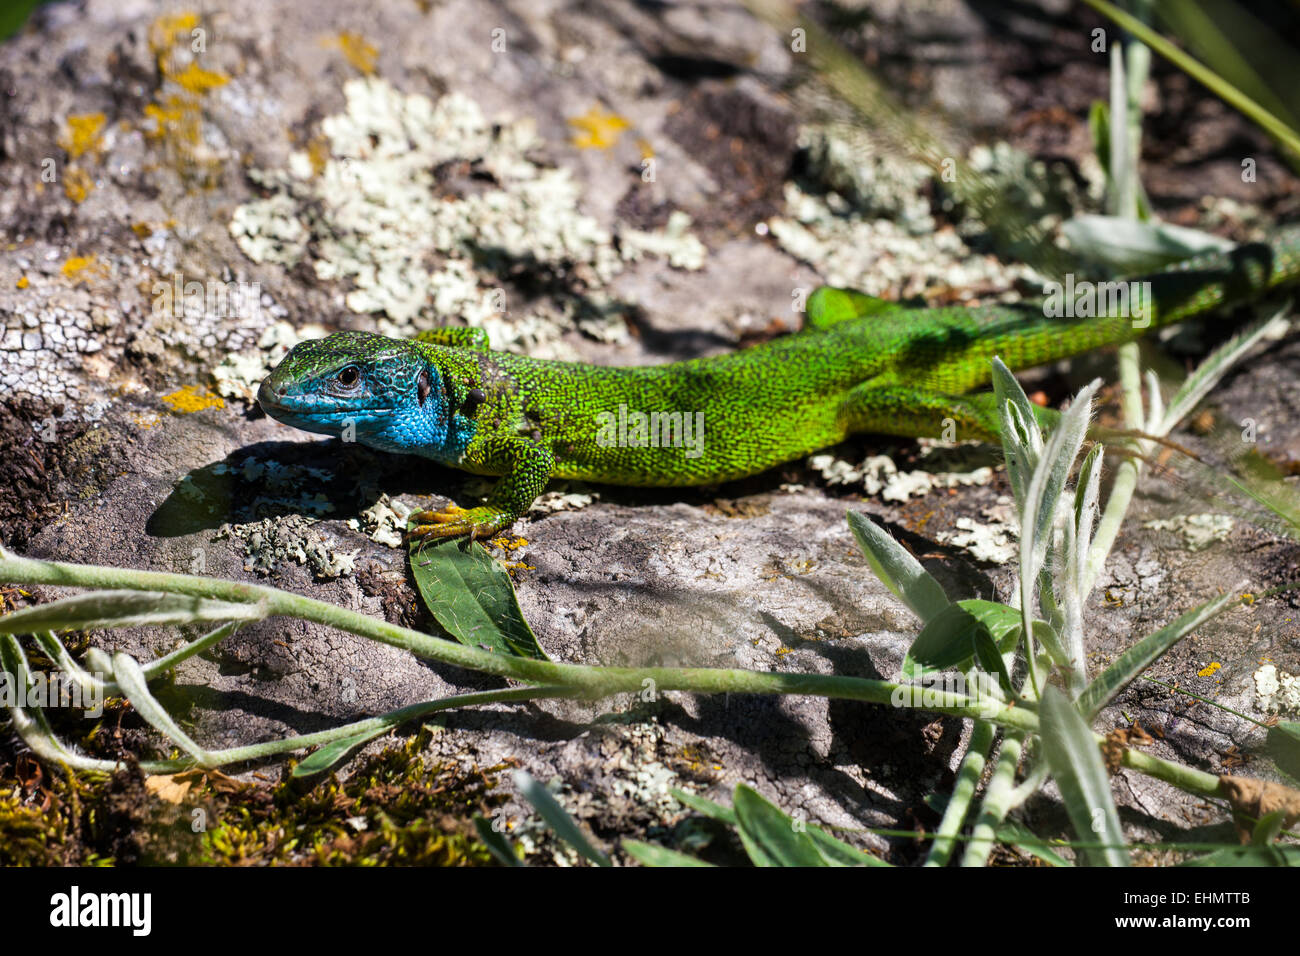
(273, 479)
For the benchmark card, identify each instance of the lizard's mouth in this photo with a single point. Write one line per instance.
(313, 413)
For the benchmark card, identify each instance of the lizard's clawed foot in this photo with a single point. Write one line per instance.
(453, 522)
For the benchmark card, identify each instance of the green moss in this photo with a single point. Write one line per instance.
(396, 808)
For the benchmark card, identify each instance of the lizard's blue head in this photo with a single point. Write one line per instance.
(381, 392)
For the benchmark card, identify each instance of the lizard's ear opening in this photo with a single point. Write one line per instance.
(423, 385)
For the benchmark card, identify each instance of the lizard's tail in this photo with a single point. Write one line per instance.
(1079, 316)
(1218, 280)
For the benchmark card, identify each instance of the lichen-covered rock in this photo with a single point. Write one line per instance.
(185, 194)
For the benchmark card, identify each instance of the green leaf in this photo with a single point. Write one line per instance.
(714, 811)
(1217, 364)
(1128, 246)
(990, 659)
(1283, 745)
(651, 854)
(1038, 507)
(838, 853)
(1072, 755)
(124, 609)
(897, 569)
(948, 641)
(1267, 828)
(1099, 125)
(550, 810)
(470, 594)
(1249, 856)
(1277, 129)
(130, 678)
(769, 836)
(332, 753)
(1016, 834)
(1022, 439)
(497, 843)
(1129, 665)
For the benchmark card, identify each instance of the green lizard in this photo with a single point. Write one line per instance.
(860, 365)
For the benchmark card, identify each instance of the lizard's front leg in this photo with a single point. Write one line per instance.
(526, 466)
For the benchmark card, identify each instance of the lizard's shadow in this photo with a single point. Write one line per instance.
(277, 478)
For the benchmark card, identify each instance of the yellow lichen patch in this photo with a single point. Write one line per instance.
(356, 50)
(177, 41)
(1209, 670)
(80, 268)
(82, 134)
(165, 31)
(318, 154)
(142, 229)
(77, 184)
(647, 149)
(23, 282)
(192, 398)
(598, 129)
(197, 80)
(174, 116)
(146, 421)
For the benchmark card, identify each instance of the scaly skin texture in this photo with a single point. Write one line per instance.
(860, 365)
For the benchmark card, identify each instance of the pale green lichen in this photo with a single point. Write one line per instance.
(1198, 530)
(380, 218)
(383, 522)
(674, 243)
(994, 539)
(879, 475)
(1276, 691)
(272, 541)
(864, 217)
(563, 496)
(877, 182)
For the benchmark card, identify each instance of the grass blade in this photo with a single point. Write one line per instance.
(497, 843)
(1071, 752)
(897, 569)
(769, 835)
(1141, 655)
(556, 818)
(651, 854)
(1275, 128)
(124, 609)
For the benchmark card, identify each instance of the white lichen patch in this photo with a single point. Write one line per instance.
(674, 242)
(994, 540)
(1276, 691)
(383, 522)
(563, 496)
(869, 224)
(273, 541)
(881, 257)
(879, 475)
(878, 182)
(1199, 531)
(384, 216)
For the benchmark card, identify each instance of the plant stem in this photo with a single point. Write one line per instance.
(996, 803)
(963, 791)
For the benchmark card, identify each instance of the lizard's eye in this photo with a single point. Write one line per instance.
(349, 376)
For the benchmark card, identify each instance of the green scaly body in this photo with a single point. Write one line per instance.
(861, 365)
